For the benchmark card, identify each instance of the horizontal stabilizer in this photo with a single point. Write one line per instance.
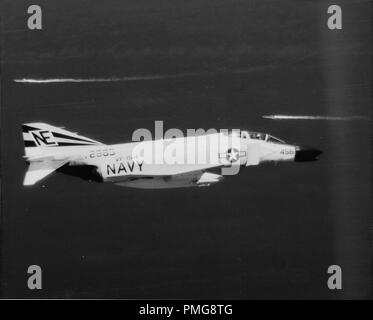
(39, 170)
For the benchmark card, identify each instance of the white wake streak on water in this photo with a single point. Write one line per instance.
(140, 77)
(113, 79)
(315, 117)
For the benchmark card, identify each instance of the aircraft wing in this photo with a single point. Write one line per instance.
(190, 179)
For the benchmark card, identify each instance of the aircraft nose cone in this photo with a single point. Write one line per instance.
(306, 154)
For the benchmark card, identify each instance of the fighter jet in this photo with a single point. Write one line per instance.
(160, 163)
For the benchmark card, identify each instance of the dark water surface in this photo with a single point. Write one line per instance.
(269, 232)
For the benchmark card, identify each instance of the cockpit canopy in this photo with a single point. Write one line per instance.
(274, 139)
(260, 136)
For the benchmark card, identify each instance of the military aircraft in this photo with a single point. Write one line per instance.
(141, 164)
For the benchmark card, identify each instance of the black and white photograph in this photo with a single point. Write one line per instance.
(205, 150)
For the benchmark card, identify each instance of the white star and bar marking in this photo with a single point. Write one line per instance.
(232, 154)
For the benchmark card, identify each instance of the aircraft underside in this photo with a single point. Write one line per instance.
(199, 179)
(192, 179)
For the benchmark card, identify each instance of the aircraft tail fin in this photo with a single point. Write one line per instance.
(44, 145)
(42, 137)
